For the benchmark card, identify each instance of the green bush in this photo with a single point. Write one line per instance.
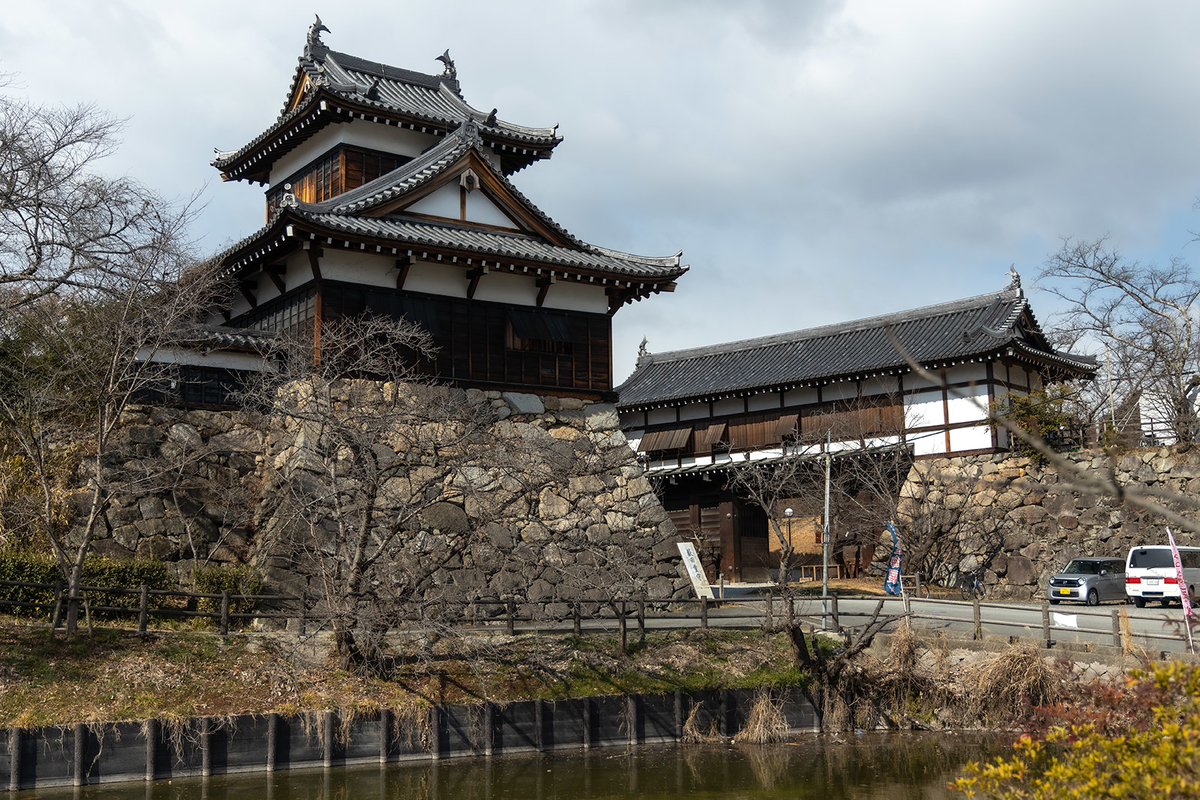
(33, 567)
(233, 578)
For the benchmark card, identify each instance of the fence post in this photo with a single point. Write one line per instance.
(641, 620)
(770, 611)
(14, 759)
(703, 613)
(833, 609)
(510, 623)
(328, 732)
(1046, 624)
(978, 619)
(385, 733)
(272, 740)
(58, 602)
(575, 615)
(224, 613)
(144, 610)
(205, 747)
(621, 628)
(1116, 628)
(79, 757)
(150, 729)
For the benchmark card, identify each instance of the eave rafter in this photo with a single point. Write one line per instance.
(287, 238)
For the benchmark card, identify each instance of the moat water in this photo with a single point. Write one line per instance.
(850, 767)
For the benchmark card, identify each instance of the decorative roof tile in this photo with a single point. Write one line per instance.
(393, 92)
(936, 335)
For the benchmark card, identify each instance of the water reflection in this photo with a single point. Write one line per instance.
(889, 766)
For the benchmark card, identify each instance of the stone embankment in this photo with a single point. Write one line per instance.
(1021, 521)
(207, 486)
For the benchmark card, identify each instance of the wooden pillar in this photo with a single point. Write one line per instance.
(79, 757)
(150, 731)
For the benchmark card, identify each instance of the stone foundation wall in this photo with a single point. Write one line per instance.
(1022, 521)
(212, 475)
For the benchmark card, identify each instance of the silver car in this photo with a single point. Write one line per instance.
(1089, 580)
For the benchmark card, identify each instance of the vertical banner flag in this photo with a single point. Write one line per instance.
(893, 584)
(1184, 594)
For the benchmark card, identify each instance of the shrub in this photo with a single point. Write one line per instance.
(233, 578)
(28, 566)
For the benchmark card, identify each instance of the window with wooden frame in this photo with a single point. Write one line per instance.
(339, 170)
(530, 332)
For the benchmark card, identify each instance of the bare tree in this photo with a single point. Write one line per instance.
(399, 501)
(1145, 316)
(96, 275)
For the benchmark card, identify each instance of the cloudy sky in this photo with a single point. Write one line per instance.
(816, 161)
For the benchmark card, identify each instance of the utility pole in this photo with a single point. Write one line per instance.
(825, 536)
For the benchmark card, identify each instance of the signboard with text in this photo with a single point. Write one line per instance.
(691, 560)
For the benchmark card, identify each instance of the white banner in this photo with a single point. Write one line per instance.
(691, 560)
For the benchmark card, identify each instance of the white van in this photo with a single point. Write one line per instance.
(1150, 574)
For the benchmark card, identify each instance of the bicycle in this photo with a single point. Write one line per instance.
(970, 586)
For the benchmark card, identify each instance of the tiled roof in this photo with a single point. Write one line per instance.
(224, 338)
(415, 233)
(347, 214)
(937, 335)
(390, 91)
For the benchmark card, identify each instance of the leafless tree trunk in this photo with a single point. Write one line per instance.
(1145, 315)
(96, 276)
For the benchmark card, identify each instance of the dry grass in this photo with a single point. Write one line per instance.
(693, 729)
(1005, 686)
(766, 723)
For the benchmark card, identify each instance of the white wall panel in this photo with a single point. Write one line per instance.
(979, 438)
(573, 296)
(730, 405)
(927, 444)
(371, 135)
(693, 411)
(966, 409)
(802, 396)
(481, 209)
(442, 203)
(967, 372)
(658, 416)
(764, 402)
(433, 278)
(503, 287)
(924, 408)
(842, 390)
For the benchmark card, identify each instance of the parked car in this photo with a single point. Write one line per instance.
(1150, 574)
(1088, 580)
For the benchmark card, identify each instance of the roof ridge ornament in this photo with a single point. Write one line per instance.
(313, 46)
(469, 133)
(1015, 279)
(449, 72)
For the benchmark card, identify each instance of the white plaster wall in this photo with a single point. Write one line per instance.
(442, 203)
(977, 438)
(434, 278)
(877, 386)
(502, 287)
(215, 359)
(967, 372)
(923, 408)
(797, 397)
(917, 382)
(358, 267)
(842, 390)
(363, 133)
(764, 402)
(634, 438)
(658, 416)
(481, 209)
(928, 443)
(730, 405)
(966, 409)
(633, 420)
(572, 296)
(693, 411)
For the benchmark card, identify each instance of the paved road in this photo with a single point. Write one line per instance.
(1154, 629)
